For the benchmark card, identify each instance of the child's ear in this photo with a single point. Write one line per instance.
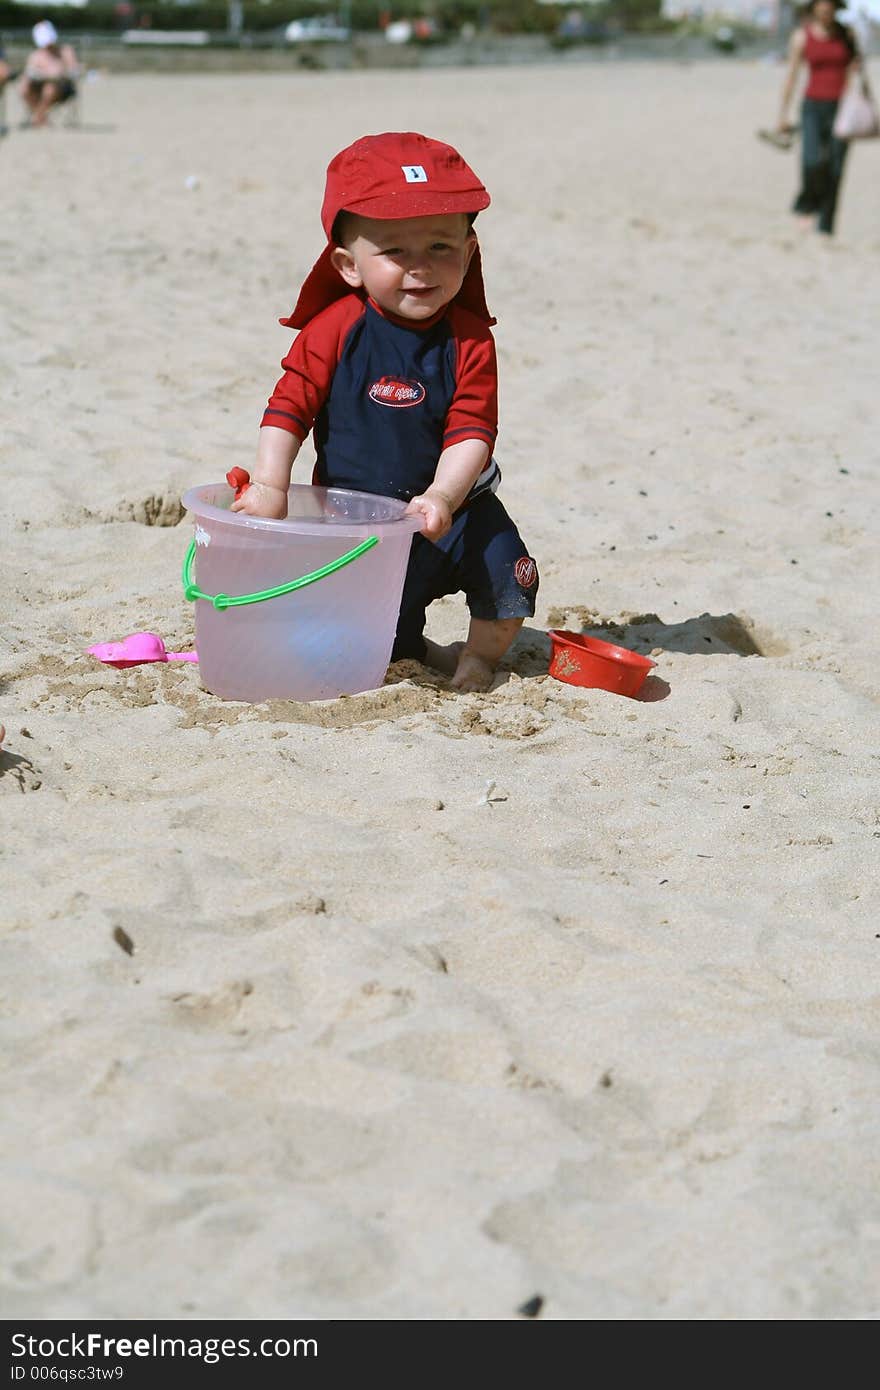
(343, 261)
(470, 247)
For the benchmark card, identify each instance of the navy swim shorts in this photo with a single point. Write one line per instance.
(483, 556)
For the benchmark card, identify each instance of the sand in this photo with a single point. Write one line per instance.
(297, 1021)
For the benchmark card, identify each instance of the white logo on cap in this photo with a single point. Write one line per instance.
(414, 173)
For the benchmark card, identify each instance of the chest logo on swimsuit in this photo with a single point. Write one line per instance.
(396, 391)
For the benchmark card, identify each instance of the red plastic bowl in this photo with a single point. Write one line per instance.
(580, 660)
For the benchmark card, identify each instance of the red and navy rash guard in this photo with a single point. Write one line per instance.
(385, 396)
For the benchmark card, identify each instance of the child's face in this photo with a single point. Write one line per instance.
(412, 266)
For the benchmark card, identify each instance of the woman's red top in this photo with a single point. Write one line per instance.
(828, 60)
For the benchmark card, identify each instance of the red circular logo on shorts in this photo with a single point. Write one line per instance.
(526, 572)
(394, 390)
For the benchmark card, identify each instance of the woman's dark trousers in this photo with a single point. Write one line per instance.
(822, 160)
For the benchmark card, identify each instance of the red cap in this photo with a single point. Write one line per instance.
(389, 176)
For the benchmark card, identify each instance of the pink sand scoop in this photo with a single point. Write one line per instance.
(136, 649)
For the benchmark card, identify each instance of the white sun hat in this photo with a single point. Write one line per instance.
(44, 33)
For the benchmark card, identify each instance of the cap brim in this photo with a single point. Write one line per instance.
(415, 201)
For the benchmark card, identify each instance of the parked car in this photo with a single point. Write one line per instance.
(422, 29)
(320, 29)
(574, 27)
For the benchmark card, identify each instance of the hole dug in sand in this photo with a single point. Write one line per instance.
(726, 634)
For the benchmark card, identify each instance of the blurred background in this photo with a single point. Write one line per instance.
(173, 35)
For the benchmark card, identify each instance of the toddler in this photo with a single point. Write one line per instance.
(394, 370)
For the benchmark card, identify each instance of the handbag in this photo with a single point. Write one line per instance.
(857, 117)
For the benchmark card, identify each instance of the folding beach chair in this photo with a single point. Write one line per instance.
(71, 107)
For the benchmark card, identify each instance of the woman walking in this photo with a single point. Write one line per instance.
(829, 52)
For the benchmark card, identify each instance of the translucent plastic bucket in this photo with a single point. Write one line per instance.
(332, 637)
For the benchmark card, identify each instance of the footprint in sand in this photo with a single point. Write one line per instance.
(214, 1008)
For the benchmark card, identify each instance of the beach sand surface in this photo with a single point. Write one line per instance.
(301, 1016)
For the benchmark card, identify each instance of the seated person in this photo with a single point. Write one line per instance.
(49, 75)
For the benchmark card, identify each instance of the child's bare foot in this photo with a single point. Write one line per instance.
(2, 733)
(472, 672)
(442, 659)
(472, 664)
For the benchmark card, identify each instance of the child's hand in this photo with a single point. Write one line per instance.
(435, 507)
(259, 499)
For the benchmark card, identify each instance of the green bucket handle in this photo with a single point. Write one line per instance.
(221, 601)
